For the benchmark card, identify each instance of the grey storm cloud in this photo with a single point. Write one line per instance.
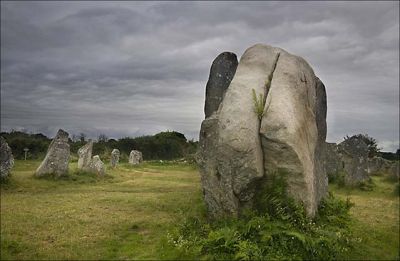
(135, 68)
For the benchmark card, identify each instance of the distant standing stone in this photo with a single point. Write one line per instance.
(222, 71)
(57, 157)
(353, 153)
(6, 159)
(115, 158)
(85, 155)
(97, 166)
(135, 157)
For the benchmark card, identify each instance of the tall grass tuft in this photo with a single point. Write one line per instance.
(259, 103)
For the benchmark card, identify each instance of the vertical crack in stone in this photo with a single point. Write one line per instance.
(266, 91)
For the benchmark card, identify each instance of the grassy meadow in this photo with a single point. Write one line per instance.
(128, 213)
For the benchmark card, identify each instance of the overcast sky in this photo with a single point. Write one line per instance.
(132, 68)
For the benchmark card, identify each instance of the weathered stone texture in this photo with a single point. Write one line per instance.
(135, 157)
(353, 153)
(85, 155)
(57, 157)
(115, 158)
(238, 148)
(332, 162)
(6, 159)
(97, 166)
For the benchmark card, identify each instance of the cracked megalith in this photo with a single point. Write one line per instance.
(85, 156)
(6, 159)
(115, 158)
(57, 157)
(240, 149)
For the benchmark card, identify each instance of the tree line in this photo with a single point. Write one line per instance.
(166, 145)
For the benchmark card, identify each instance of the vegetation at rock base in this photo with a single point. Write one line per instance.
(278, 229)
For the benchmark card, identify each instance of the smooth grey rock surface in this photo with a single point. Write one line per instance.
(293, 130)
(115, 158)
(238, 149)
(222, 71)
(85, 155)
(6, 159)
(135, 157)
(57, 157)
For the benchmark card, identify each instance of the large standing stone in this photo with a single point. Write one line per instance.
(239, 149)
(222, 71)
(115, 158)
(6, 159)
(135, 157)
(85, 156)
(97, 166)
(57, 157)
(353, 153)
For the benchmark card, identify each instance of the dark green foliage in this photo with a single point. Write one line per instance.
(337, 178)
(36, 143)
(372, 144)
(164, 145)
(278, 229)
(390, 155)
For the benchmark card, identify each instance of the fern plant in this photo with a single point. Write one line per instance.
(259, 103)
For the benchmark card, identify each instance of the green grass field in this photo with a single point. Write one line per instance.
(128, 213)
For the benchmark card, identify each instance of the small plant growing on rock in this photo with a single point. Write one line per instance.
(259, 103)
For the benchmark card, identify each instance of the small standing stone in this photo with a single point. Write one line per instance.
(135, 157)
(57, 157)
(115, 158)
(6, 159)
(97, 166)
(85, 155)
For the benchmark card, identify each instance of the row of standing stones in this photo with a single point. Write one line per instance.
(56, 161)
(240, 149)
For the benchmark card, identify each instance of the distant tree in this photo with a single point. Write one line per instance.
(372, 143)
(82, 137)
(102, 138)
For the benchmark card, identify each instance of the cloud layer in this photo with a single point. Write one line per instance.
(133, 68)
